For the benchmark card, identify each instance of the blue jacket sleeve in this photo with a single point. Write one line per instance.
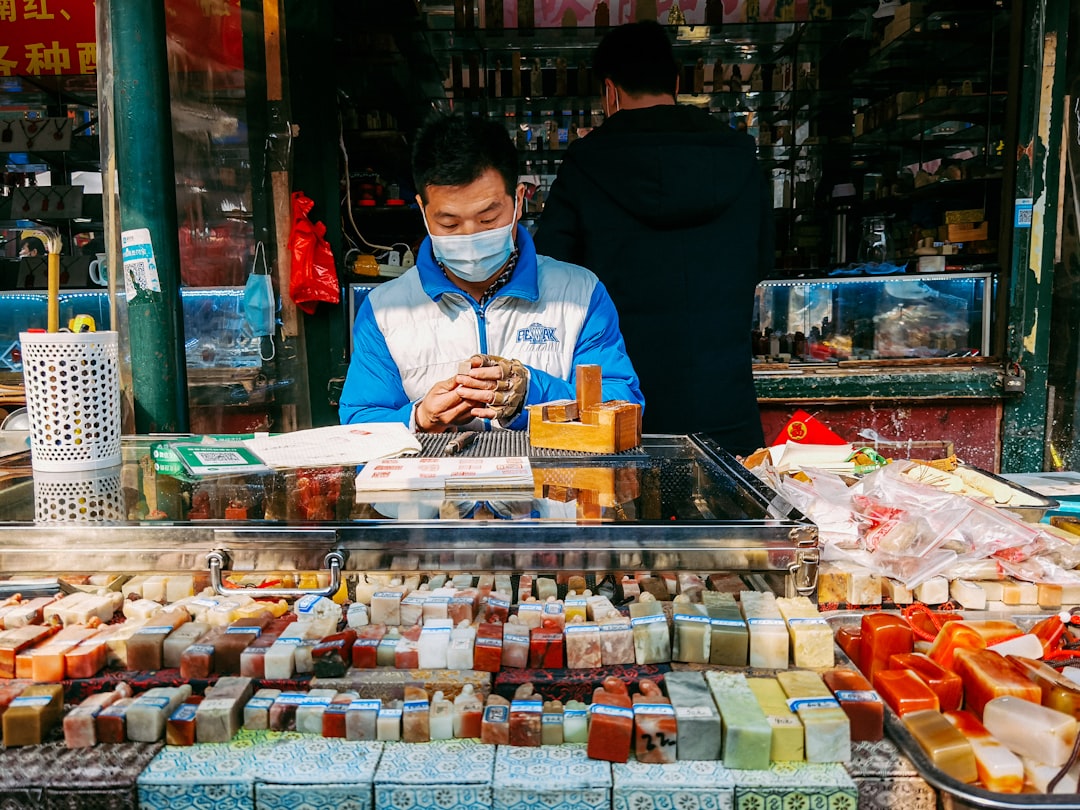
(599, 343)
(373, 391)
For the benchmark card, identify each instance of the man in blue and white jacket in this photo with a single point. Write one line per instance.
(482, 325)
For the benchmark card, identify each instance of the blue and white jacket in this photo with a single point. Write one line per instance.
(414, 331)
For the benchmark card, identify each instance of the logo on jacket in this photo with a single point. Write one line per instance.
(537, 334)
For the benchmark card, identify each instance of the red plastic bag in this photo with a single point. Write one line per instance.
(313, 277)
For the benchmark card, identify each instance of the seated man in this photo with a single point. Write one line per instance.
(481, 326)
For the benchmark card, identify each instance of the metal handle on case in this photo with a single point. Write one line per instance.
(218, 561)
(804, 572)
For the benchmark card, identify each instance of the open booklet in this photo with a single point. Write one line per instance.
(337, 444)
(317, 447)
(474, 474)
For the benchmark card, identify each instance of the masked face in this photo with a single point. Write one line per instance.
(476, 256)
(462, 224)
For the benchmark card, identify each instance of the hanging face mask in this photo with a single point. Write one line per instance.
(475, 256)
(260, 305)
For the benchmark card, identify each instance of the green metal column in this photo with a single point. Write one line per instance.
(147, 191)
(1031, 282)
(309, 39)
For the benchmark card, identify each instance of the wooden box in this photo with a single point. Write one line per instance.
(608, 427)
(968, 232)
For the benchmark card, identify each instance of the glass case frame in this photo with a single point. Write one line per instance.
(751, 529)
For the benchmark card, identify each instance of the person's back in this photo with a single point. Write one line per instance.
(669, 207)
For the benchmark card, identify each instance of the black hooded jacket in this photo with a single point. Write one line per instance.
(670, 208)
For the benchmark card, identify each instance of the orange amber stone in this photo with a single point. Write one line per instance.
(1058, 692)
(970, 636)
(849, 637)
(987, 675)
(882, 635)
(904, 691)
(946, 685)
(859, 701)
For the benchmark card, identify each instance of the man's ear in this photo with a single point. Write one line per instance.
(519, 201)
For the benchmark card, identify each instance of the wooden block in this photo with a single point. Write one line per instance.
(561, 410)
(557, 493)
(613, 427)
(605, 486)
(909, 13)
(965, 215)
(968, 232)
(589, 392)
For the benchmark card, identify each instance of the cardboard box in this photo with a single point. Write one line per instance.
(552, 777)
(219, 775)
(52, 776)
(796, 784)
(969, 215)
(886, 779)
(967, 232)
(910, 13)
(448, 774)
(316, 773)
(643, 786)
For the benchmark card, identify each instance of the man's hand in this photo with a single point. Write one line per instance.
(493, 386)
(443, 407)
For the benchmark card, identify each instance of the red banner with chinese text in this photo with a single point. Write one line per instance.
(47, 37)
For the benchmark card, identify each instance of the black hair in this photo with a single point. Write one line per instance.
(452, 150)
(33, 243)
(638, 58)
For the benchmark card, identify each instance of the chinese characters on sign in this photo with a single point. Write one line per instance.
(47, 37)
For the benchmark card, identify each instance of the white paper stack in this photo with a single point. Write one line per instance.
(455, 472)
(337, 444)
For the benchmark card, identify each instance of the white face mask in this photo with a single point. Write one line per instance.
(477, 256)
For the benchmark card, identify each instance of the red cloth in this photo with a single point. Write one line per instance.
(803, 428)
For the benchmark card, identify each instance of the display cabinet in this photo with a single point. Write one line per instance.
(22, 310)
(49, 146)
(231, 386)
(873, 318)
(897, 116)
(676, 503)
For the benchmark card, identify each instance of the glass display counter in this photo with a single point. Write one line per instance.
(873, 318)
(676, 503)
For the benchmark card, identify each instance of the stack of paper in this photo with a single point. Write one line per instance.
(455, 472)
(337, 444)
(792, 457)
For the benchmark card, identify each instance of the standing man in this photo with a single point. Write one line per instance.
(482, 325)
(670, 209)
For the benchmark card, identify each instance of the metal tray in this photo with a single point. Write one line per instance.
(952, 792)
(1032, 507)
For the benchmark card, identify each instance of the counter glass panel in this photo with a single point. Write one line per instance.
(674, 503)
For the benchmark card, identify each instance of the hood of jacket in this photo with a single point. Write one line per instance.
(667, 165)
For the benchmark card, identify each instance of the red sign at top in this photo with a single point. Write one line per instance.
(47, 37)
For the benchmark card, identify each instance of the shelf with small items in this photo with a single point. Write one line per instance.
(766, 40)
(956, 40)
(941, 190)
(914, 116)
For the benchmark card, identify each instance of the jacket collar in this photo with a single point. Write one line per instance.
(523, 284)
